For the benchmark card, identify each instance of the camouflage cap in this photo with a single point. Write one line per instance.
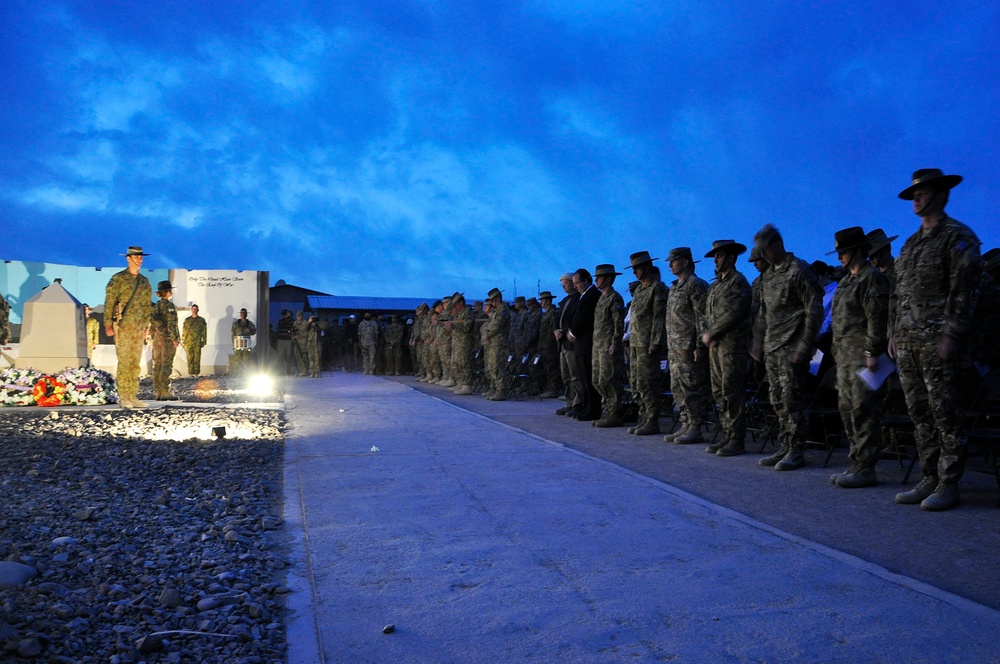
(934, 177)
(766, 236)
(755, 254)
(680, 253)
(519, 298)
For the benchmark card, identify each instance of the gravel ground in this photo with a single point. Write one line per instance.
(134, 531)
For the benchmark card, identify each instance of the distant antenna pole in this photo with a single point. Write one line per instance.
(538, 288)
(515, 288)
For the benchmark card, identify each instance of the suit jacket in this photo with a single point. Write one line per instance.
(566, 309)
(582, 323)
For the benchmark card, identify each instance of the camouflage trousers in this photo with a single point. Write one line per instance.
(312, 353)
(608, 370)
(689, 385)
(550, 367)
(194, 359)
(128, 347)
(444, 356)
(644, 380)
(931, 390)
(569, 370)
(786, 383)
(496, 367)
(368, 359)
(432, 363)
(163, 366)
(729, 364)
(301, 360)
(394, 360)
(860, 409)
(461, 360)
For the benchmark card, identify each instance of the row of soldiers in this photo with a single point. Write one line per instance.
(927, 311)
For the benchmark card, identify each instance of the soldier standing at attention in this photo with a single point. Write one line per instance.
(4, 318)
(937, 274)
(128, 301)
(368, 337)
(548, 346)
(165, 339)
(687, 357)
(194, 338)
(93, 331)
(646, 338)
(791, 312)
(609, 354)
(300, 332)
(394, 346)
(461, 324)
(312, 346)
(860, 312)
(286, 330)
(726, 333)
(496, 343)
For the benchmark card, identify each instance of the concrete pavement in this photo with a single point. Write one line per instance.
(481, 541)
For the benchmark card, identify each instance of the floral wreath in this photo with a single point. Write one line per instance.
(48, 391)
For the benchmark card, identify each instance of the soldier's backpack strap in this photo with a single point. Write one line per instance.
(134, 291)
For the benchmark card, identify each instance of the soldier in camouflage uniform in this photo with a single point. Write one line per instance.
(757, 330)
(299, 334)
(986, 339)
(312, 346)
(418, 341)
(688, 361)
(496, 340)
(4, 320)
(726, 333)
(442, 341)
(241, 327)
(368, 338)
(518, 319)
(461, 323)
(431, 359)
(394, 346)
(609, 356)
(93, 329)
(791, 312)
(934, 307)
(647, 335)
(128, 301)
(860, 313)
(193, 338)
(548, 346)
(881, 254)
(165, 338)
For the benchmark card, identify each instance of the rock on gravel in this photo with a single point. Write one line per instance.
(126, 529)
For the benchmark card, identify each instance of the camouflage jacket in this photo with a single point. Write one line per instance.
(4, 320)
(860, 313)
(93, 332)
(164, 322)
(685, 311)
(609, 320)
(727, 308)
(195, 332)
(119, 293)
(368, 333)
(791, 307)
(647, 315)
(299, 331)
(937, 276)
(243, 328)
(547, 342)
(496, 329)
(394, 334)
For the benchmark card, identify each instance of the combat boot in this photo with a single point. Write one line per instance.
(915, 496)
(690, 437)
(462, 390)
(548, 395)
(648, 428)
(447, 382)
(774, 458)
(793, 460)
(732, 448)
(609, 421)
(669, 438)
(496, 397)
(138, 404)
(850, 471)
(945, 497)
(712, 448)
(641, 424)
(861, 477)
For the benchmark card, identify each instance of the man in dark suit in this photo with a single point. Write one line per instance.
(581, 333)
(568, 367)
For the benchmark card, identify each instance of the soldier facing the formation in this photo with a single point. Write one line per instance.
(128, 302)
(194, 338)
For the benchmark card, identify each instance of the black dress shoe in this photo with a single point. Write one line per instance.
(588, 417)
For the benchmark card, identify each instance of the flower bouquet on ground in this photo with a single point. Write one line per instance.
(17, 386)
(88, 387)
(49, 391)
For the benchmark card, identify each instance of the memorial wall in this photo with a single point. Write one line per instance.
(219, 294)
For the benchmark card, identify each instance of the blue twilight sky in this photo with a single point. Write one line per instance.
(415, 148)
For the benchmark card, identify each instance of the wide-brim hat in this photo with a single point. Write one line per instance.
(847, 239)
(726, 246)
(680, 253)
(134, 251)
(930, 176)
(545, 295)
(878, 240)
(519, 298)
(640, 258)
(632, 285)
(494, 292)
(164, 286)
(605, 269)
